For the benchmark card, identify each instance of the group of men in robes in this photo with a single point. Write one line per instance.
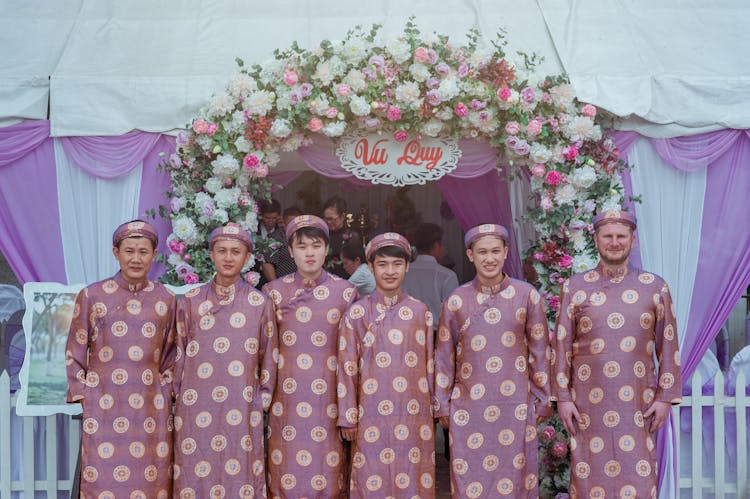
(351, 388)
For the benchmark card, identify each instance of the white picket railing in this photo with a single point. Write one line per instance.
(699, 476)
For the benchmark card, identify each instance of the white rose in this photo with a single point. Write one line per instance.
(226, 198)
(565, 194)
(398, 49)
(584, 177)
(582, 128)
(432, 128)
(583, 262)
(319, 105)
(174, 259)
(272, 158)
(323, 72)
(184, 228)
(241, 85)
(539, 153)
(221, 104)
(292, 143)
(562, 95)
(335, 129)
(420, 72)
(259, 102)
(213, 185)
(356, 80)
(449, 88)
(242, 144)
(280, 128)
(408, 94)
(221, 216)
(359, 106)
(225, 165)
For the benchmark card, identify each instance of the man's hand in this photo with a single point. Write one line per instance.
(349, 434)
(660, 411)
(568, 412)
(445, 422)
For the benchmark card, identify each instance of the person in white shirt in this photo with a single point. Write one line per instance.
(353, 259)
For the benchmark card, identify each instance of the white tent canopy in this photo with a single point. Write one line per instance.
(109, 67)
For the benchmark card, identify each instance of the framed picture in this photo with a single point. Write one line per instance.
(44, 383)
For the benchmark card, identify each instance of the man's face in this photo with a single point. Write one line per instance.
(614, 242)
(270, 220)
(389, 272)
(309, 255)
(333, 219)
(135, 256)
(349, 265)
(229, 256)
(488, 255)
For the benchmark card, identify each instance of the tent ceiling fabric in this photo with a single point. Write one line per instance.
(118, 66)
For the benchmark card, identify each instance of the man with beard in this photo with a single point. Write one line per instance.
(611, 323)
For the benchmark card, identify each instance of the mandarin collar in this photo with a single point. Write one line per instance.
(226, 291)
(133, 288)
(615, 276)
(303, 282)
(491, 290)
(380, 299)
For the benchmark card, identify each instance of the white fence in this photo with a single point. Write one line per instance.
(707, 467)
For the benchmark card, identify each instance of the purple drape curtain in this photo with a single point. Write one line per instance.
(109, 157)
(29, 215)
(474, 191)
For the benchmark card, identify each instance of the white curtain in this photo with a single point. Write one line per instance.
(90, 209)
(669, 229)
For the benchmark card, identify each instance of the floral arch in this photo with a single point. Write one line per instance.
(410, 85)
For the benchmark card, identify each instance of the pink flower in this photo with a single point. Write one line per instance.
(252, 278)
(512, 127)
(539, 257)
(554, 304)
(315, 124)
(565, 261)
(548, 433)
(251, 161)
(290, 77)
(503, 93)
(331, 112)
(421, 55)
(261, 171)
(538, 170)
(589, 111)
(394, 113)
(534, 128)
(400, 135)
(191, 278)
(343, 90)
(553, 177)
(201, 127)
(461, 109)
(559, 449)
(545, 203)
(463, 70)
(174, 245)
(571, 153)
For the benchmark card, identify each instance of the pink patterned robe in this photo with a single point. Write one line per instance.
(305, 451)
(119, 359)
(492, 373)
(385, 390)
(226, 371)
(608, 330)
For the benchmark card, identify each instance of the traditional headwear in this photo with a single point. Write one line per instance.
(387, 239)
(305, 221)
(615, 217)
(136, 228)
(476, 233)
(231, 231)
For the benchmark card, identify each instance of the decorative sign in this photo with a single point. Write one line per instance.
(384, 160)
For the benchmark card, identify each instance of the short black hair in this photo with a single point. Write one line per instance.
(353, 249)
(313, 233)
(393, 251)
(292, 211)
(426, 235)
(269, 206)
(336, 203)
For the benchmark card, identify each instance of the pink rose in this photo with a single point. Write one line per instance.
(545, 203)
(565, 261)
(251, 161)
(400, 135)
(191, 278)
(461, 109)
(503, 93)
(261, 171)
(421, 55)
(343, 90)
(331, 112)
(554, 304)
(252, 278)
(538, 170)
(291, 77)
(174, 245)
(571, 153)
(512, 127)
(539, 257)
(559, 449)
(553, 177)
(534, 128)
(315, 124)
(548, 433)
(589, 111)
(394, 113)
(200, 126)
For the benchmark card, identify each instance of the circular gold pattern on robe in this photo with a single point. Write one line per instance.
(370, 386)
(402, 480)
(585, 324)
(584, 372)
(508, 339)
(666, 380)
(597, 346)
(477, 391)
(493, 364)
(119, 328)
(475, 441)
(596, 493)
(319, 386)
(669, 332)
(188, 446)
(460, 466)
(218, 443)
(630, 296)
(255, 299)
(677, 358)
(119, 376)
(304, 410)
(121, 424)
(333, 459)
(598, 298)
(105, 450)
(615, 320)
(612, 469)
(578, 297)
(247, 491)
(385, 408)
(90, 474)
(643, 468)
(646, 278)
(507, 388)
(596, 395)
(521, 412)
(134, 306)
(411, 359)
(121, 473)
(474, 490)
(401, 432)
(304, 361)
(582, 470)
(382, 359)
(490, 463)
(318, 482)
(288, 481)
(506, 437)
(505, 486)
(492, 315)
(373, 483)
(415, 455)
(396, 336)
(611, 369)
(106, 354)
(647, 320)
(405, 313)
(508, 292)
(611, 419)
(321, 292)
(520, 364)
(303, 458)
(356, 312)
(318, 338)
(99, 310)
(491, 413)
(596, 445)
(318, 434)
(461, 417)
(478, 343)
(454, 303)
(303, 314)
(639, 368)
(333, 316)
(534, 296)
(289, 433)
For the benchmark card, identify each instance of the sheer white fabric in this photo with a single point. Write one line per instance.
(87, 221)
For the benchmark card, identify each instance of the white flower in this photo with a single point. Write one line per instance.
(445, 113)
(202, 199)
(449, 88)
(324, 72)
(243, 179)
(539, 153)
(420, 72)
(174, 259)
(184, 228)
(225, 165)
(584, 177)
(205, 142)
(272, 158)
(250, 222)
(227, 198)
(319, 105)
(354, 50)
(337, 65)
(335, 129)
(221, 104)
(359, 106)
(583, 262)
(580, 239)
(213, 185)
(280, 128)
(480, 57)
(581, 128)
(221, 216)
(562, 95)
(241, 85)
(565, 194)
(432, 128)
(408, 94)
(356, 80)
(236, 123)
(242, 144)
(283, 100)
(612, 203)
(398, 49)
(292, 143)
(271, 69)
(259, 102)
